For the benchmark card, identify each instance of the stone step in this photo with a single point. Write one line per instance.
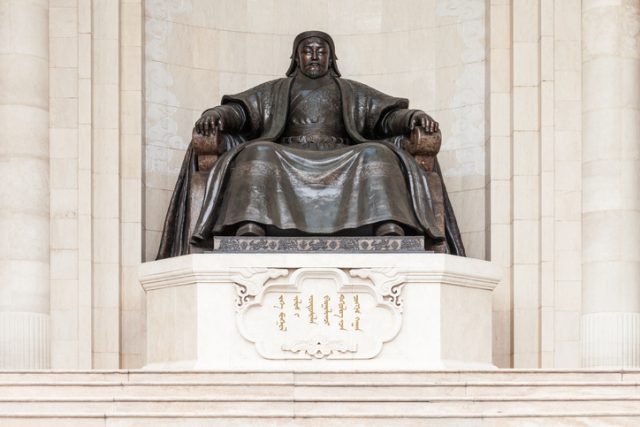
(453, 420)
(316, 390)
(381, 377)
(230, 407)
(371, 399)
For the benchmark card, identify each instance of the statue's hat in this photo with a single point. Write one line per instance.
(333, 65)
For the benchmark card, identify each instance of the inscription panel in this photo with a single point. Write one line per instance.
(319, 313)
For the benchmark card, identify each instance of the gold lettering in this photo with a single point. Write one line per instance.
(356, 310)
(312, 313)
(327, 310)
(296, 305)
(342, 306)
(282, 325)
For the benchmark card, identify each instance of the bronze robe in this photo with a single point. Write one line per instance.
(267, 109)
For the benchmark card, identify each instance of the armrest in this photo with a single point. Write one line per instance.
(207, 149)
(423, 146)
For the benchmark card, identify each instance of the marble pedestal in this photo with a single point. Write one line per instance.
(319, 312)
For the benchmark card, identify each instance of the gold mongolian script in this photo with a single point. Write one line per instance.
(341, 312)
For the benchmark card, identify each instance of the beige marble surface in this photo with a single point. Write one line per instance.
(216, 311)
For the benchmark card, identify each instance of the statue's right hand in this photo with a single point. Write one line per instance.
(210, 123)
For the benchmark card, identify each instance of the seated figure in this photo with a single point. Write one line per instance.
(307, 155)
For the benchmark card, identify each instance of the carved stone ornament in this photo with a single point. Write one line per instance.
(387, 280)
(316, 313)
(249, 282)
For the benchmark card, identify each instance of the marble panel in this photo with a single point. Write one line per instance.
(526, 18)
(500, 74)
(500, 28)
(131, 166)
(63, 112)
(64, 264)
(526, 241)
(106, 196)
(63, 203)
(501, 114)
(63, 21)
(568, 266)
(63, 143)
(106, 338)
(567, 22)
(526, 199)
(526, 63)
(568, 295)
(64, 233)
(526, 112)
(106, 106)
(106, 240)
(64, 353)
(64, 294)
(63, 172)
(63, 83)
(526, 153)
(567, 55)
(131, 112)
(568, 205)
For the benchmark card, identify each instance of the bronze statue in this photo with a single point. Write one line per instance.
(311, 154)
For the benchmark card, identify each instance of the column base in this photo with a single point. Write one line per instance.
(611, 340)
(24, 340)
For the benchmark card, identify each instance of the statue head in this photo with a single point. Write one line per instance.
(314, 55)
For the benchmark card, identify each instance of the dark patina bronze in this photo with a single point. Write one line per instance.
(311, 154)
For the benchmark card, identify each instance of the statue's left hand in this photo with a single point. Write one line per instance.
(424, 121)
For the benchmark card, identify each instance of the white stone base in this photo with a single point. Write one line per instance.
(319, 312)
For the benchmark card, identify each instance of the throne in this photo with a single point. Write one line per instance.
(420, 144)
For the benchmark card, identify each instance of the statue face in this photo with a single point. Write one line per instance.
(313, 57)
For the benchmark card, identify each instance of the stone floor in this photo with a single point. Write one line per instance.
(444, 398)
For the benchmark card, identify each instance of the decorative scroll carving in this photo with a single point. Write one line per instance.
(250, 281)
(320, 348)
(388, 281)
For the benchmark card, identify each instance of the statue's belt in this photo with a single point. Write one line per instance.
(314, 139)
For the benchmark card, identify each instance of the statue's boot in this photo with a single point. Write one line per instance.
(250, 229)
(389, 229)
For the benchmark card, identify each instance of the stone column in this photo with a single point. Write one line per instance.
(611, 183)
(24, 184)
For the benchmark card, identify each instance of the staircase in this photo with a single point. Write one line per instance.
(436, 398)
